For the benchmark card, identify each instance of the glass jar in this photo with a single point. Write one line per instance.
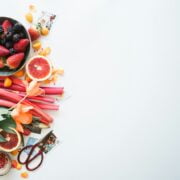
(5, 163)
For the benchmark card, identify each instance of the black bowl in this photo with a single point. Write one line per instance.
(6, 71)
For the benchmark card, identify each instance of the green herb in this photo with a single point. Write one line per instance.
(39, 26)
(36, 119)
(7, 123)
(22, 139)
(2, 139)
(33, 128)
(36, 126)
(2, 112)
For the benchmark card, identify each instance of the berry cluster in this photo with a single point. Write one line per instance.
(13, 44)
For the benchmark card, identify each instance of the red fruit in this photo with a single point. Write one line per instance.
(26, 132)
(1, 63)
(39, 68)
(15, 60)
(21, 45)
(3, 51)
(6, 24)
(34, 33)
(14, 164)
(13, 141)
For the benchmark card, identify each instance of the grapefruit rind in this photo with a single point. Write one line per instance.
(18, 143)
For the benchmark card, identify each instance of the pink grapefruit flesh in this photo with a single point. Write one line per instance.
(13, 141)
(39, 68)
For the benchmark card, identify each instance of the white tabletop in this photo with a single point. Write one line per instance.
(121, 61)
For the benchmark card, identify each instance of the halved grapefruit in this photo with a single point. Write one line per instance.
(39, 68)
(13, 140)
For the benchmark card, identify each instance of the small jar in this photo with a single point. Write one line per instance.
(5, 163)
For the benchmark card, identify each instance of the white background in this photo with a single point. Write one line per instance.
(121, 61)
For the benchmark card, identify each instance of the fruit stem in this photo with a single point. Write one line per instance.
(46, 106)
(47, 99)
(53, 90)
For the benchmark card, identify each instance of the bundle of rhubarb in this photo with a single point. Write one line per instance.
(15, 92)
(27, 94)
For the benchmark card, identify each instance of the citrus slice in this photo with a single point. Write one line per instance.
(39, 68)
(13, 140)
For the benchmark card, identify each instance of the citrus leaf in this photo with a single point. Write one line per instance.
(7, 123)
(3, 111)
(2, 139)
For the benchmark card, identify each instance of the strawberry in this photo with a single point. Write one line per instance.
(6, 24)
(1, 63)
(3, 51)
(15, 60)
(21, 45)
(34, 33)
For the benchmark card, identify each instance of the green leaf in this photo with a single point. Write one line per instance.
(2, 139)
(3, 111)
(7, 123)
(38, 26)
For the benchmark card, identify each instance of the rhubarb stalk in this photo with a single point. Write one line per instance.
(16, 98)
(6, 103)
(46, 106)
(48, 90)
(53, 90)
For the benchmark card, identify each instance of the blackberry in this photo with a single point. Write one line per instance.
(2, 41)
(9, 35)
(12, 51)
(22, 35)
(1, 30)
(10, 29)
(9, 44)
(16, 37)
(17, 27)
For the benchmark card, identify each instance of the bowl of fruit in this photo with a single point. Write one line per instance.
(14, 46)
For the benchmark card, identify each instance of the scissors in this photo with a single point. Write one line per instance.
(33, 150)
